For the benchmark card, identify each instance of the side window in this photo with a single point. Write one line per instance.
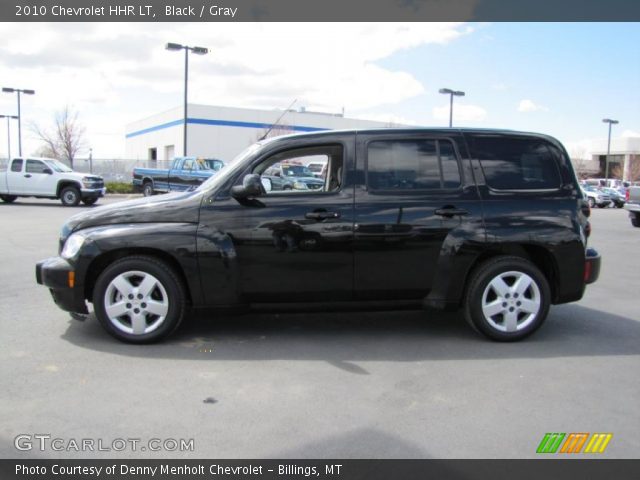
(35, 166)
(16, 165)
(287, 172)
(517, 163)
(412, 165)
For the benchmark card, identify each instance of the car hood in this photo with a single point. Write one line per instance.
(183, 207)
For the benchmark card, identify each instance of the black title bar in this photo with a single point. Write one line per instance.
(316, 10)
(336, 469)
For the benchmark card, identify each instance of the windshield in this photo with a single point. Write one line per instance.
(58, 166)
(235, 165)
(296, 171)
(212, 164)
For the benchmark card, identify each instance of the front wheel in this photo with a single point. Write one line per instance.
(70, 196)
(635, 220)
(507, 298)
(592, 202)
(8, 198)
(89, 200)
(139, 299)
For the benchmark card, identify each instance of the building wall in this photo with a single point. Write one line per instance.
(222, 132)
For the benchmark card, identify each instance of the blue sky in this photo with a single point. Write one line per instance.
(556, 78)
(579, 74)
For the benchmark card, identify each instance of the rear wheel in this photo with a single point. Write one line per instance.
(147, 189)
(139, 299)
(8, 198)
(89, 200)
(635, 220)
(507, 298)
(70, 196)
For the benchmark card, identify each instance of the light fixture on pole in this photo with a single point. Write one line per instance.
(9, 117)
(197, 51)
(451, 93)
(606, 162)
(18, 91)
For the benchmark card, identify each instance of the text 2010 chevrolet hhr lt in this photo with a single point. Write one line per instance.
(492, 222)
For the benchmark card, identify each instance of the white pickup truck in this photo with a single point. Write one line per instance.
(633, 205)
(49, 178)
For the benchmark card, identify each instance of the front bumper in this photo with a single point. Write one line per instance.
(93, 192)
(592, 261)
(54, 274)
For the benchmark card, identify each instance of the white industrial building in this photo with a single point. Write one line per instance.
(624, 158)
(222, 132)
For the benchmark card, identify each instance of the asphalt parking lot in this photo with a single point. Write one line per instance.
(342, 385)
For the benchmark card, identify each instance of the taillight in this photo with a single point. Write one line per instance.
(587, 229)
(626, 195)
(587, 270)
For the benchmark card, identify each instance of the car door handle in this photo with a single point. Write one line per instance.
(27, 175)
(321, 215)
(451, 212)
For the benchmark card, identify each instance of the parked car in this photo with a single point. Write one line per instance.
(632, 204)
(596, 197)
(617, 197)
(49, 178)
(491, 222)
(292, 177)
(185, 173)
(317, 169)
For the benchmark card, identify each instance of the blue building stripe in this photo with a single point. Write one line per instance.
(221, 123)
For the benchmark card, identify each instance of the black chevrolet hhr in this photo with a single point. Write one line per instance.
(490, 222)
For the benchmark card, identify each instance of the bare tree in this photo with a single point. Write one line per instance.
(65, 139)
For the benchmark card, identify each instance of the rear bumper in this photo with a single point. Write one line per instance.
(592, 263)
(54, 274)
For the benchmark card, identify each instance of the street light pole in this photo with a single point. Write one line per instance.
(8, 117)
(451, 93)
(18, 91)
(197, 51)
(606, 162)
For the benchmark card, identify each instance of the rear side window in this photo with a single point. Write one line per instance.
(518, 163)
(16, 166)
(412, 165)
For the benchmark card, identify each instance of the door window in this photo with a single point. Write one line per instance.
(35, 166)
(395, 165)
(287, 172)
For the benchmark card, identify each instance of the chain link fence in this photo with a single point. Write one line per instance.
(111, 169)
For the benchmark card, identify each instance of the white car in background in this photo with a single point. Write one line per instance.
(596, 197)
(49, 178)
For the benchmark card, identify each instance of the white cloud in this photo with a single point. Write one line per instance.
(461, 113)
(113, 71)
(530, 106)
(630, 134)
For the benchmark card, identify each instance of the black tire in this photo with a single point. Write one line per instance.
(8, 198)
(147, 189)
(287, 187)
(70, 196)
(478, 284)
(165, 276)
(592, 202)
(635, 220)
(89, 200)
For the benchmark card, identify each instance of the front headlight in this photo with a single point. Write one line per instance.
(72, 246)
(300, 186)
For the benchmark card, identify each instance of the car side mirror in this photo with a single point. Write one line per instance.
(251, 187)
(48, 171)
